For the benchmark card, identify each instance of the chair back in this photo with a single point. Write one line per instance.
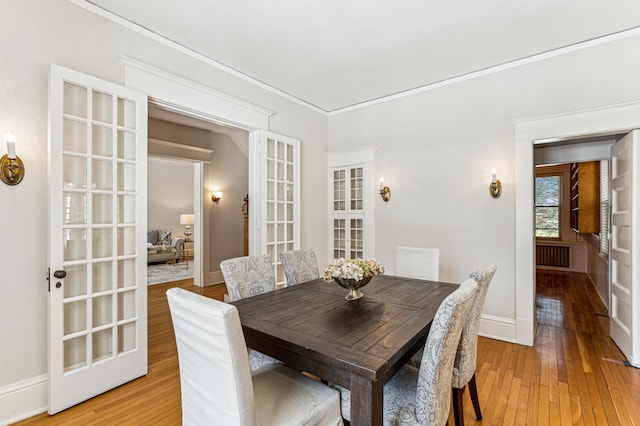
(299, 265)
(464, 366)
(248, 276)
(215, 379)
(433, 394)
(420, 263)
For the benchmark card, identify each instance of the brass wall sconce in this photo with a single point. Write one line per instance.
(11, 167)
(216, 196)
(385, 191)
(495, 188)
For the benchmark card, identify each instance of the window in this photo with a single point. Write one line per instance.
(351, 196)
(548, 207)
(348, 212)
(604, 207)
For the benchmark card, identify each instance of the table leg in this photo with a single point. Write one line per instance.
(366, 401)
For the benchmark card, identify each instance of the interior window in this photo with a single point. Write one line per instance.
(548, 207)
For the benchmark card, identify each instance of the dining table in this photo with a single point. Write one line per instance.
(358, 344)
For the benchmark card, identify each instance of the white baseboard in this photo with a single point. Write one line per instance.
(525, 332)
(498, 328)
(23, 399)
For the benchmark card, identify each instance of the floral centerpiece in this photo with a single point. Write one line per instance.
(352, 274)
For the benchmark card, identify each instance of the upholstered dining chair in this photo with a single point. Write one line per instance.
(216, 383)
(416, 262)
(249, 276)
(423, 396)
(299, 265)
(464, 367)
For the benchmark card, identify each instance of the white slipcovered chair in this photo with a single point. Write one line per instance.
(415, 262)
(249, 276)
(464, 367)
(216, 383)
(299, 265)
(423, 396)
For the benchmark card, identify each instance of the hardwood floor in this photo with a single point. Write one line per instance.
(573, 375)
(150, 400)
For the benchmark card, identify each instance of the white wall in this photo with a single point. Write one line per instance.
(436, 148)
(37, 34)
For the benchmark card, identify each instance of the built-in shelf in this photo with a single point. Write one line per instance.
(585, 197)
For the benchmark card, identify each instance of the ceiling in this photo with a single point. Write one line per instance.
(334, 54)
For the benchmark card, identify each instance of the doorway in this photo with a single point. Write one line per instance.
(221, 152)
(610, 119)
(571, 204)
(170, 202)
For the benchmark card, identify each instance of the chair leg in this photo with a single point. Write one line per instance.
(473, 393)
(458, 413)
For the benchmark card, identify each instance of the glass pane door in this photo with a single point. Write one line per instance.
(98, 190)
(281, 207)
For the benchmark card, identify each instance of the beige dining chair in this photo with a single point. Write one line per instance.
(248, 276)
(416, 262)
(464, 367)
(217, 386)
(299, 266)
(423, 396)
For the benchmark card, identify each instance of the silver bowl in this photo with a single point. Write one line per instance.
(353, 286)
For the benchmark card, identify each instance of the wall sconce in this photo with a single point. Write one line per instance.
(385, 192)
(187, 221)
(216, 196)
(495, 188)
(11, 167)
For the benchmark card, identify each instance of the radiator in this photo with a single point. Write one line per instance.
(553, 256)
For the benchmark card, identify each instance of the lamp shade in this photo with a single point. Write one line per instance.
(186, 219)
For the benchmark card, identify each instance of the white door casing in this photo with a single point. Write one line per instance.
(624, 249)
(97, 335)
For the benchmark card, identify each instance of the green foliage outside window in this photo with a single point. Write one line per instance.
(548, 207)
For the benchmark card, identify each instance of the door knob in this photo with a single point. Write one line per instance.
(60, 274)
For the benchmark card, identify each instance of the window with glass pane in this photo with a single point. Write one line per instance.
(548, 207)
(356, 238)
(339, 234)
(339, 188)
(347, 234)
(356, 189)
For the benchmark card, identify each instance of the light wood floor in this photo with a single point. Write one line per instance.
(573, 375)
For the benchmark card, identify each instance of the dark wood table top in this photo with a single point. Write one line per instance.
(362, 343)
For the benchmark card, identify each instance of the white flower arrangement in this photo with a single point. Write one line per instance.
(352, 269)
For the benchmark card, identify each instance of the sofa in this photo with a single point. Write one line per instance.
(162, 247)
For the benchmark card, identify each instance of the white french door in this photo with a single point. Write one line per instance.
(97, 337)
(278, 196)
(624, 247)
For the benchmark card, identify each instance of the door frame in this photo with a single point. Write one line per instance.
(197, 189)
(606, 119)
(183, 96)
